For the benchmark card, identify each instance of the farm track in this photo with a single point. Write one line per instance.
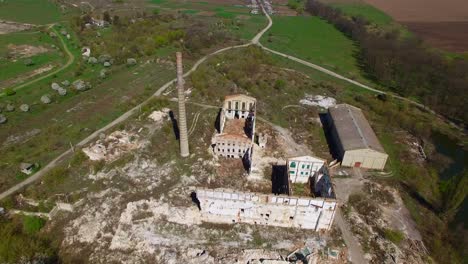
(355, 249)
(71, 59)
(118, 120)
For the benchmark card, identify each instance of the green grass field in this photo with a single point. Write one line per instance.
(29, 11)
(313, 39)
(369, 12)
(14, 67)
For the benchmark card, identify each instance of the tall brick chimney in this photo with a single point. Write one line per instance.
(183, 136)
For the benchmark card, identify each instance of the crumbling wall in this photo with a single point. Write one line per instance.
(228, 206)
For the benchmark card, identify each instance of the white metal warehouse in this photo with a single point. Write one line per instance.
(356, 143)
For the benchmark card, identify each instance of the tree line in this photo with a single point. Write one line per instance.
(404, 64)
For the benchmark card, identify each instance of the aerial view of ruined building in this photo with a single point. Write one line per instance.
(235, 135)
(355, 141)
(300, 169)
(229, 206)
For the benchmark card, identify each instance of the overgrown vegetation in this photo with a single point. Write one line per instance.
(147, 35)
(405, 65)
(21, 239)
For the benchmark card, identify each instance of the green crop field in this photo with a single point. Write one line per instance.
(315, 40)
(29, 11)
(369, 12)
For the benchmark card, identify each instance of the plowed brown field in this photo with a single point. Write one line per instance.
(443, 24)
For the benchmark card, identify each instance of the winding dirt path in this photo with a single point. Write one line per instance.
(120, 119)
(71, 59)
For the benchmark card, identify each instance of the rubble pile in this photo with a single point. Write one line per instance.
(113, 146)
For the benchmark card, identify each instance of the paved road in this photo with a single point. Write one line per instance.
(71, 59)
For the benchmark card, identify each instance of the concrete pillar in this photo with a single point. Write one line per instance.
(183, 136)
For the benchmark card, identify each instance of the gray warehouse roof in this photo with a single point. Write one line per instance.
(353, 129)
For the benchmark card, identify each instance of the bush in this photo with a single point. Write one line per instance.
(9, 91)
(32, 224)
(395, 236)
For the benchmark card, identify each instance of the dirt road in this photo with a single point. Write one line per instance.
(71, 59)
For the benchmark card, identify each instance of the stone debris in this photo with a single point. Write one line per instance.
(262, 140)
(80, 85)
(24, 107)
(63, 32)
(45, 99)
(92, 60)
(113, 146)
(104, 58)
(66, 83)
(62, 91)
(103, 73)
(158, 116)
(52, 35)
(55, 86)
(318, 100)
(131, 61)
(10, 108)
(107, 64)
(3, 119)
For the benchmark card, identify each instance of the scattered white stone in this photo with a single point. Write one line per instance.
(107, 64)
(103, 73)
(66, 83)
(92, 60)
(24, 107)
(62, 91)
(45, 99)
(55, 86)
(158, 116)
(80, 85)
(131, 61)
(10, 108)
(3, 119)
(318, 100)
(113, 146)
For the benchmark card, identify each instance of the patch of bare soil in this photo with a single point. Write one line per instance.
(21, 78)
(9, 27)
(450, 36)
(25, 51)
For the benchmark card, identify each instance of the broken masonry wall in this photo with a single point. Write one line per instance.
(228, 206)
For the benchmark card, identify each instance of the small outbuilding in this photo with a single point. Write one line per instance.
(27, 168)
(355, 141)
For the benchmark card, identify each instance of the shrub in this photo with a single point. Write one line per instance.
(9, 91)
(32, 224)
(395, 236)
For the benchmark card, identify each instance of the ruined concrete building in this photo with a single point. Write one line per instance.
(316, 213)
(228, 206)
(235, 139)
(301, 168)
(235, 136)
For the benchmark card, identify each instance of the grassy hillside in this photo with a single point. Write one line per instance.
(29, 11)
(314, 40)
(15, 66)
